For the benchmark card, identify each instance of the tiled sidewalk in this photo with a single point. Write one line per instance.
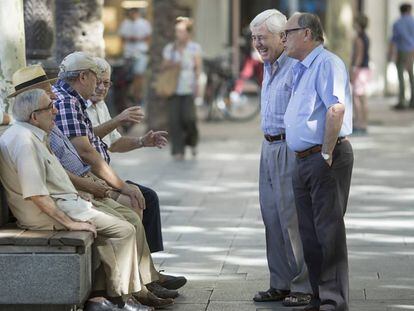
(214, 233)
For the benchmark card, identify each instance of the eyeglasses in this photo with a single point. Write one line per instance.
(106, 83)
(49, 107)
(288, 31)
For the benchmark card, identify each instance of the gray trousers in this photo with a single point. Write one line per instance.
(283, 244)
(405, 63)
(321, 195)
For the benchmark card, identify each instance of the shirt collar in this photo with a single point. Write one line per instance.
(279, 61)
(71, 91)
(307, 62)
(38, 132)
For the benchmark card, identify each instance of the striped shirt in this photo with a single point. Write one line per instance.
(72, 118)
(67, 154)
(276, 90)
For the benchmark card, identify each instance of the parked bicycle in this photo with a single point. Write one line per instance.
(227, 97)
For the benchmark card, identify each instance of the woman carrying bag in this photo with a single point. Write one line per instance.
(181, 108)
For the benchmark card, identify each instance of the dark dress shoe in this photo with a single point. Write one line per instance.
(104, 305)
(133, 305)
(171, 282)
(149, 299)
(160, 291)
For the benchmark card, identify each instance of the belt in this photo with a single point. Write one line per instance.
(315, 149)
(271, 138)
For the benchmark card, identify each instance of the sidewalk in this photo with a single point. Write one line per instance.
(214, 234)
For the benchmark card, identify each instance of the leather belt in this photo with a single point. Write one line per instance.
(271, 138)
(315, 149)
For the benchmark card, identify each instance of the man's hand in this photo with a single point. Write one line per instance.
(137, 199)
(131, 114)
(86, 196)
(82, 226)
(99, 190)
(155, 139)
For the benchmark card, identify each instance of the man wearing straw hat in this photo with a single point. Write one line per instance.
(41, 196)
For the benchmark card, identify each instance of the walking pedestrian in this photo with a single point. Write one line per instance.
(360, 74)
(402, 49)
(181, 109)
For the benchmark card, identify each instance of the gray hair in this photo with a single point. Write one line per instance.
(274, 20)
(103, 65)
(25, 103)
(69, 76)
(312, 21)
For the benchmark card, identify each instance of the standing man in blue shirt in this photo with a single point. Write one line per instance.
(289, 280)
(402, 44)
(318, 119)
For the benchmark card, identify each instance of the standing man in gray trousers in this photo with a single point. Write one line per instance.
(318, 119)
(288, 273)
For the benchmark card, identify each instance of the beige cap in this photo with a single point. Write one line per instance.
(78, 61)
(28, 78)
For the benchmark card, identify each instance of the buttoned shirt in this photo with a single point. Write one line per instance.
(72, 118)
(98, 114)
(67, 154)
(275, 95)
(27, 169)
(319, 81)
(403, 33)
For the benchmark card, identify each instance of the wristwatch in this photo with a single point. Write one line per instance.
(326, 156)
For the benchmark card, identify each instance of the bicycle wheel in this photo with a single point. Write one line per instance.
(242, 106)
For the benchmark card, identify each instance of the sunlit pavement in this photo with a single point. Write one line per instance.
(213, 232)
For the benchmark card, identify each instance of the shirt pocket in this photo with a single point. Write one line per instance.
(306, 99)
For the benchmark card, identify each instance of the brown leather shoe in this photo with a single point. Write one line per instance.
(149, 299)
(171, 282)
(160, 291)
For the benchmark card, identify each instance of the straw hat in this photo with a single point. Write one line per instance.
(28, 78)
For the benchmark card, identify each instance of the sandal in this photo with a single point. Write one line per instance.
(271, 294)
(295, 299)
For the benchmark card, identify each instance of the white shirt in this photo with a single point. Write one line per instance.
(187, 79)
(98, 113)
(139, 28)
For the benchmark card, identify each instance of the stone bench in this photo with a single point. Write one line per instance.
(43, 270)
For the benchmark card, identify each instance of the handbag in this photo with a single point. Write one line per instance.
(167, 80)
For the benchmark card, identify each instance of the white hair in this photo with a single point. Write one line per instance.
(274, 20)
(25, 103)
(103, 65)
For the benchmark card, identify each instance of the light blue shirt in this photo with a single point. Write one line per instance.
(403, 33)
(276, 90)
(319, 81)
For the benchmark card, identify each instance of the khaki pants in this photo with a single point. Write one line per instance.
(115, 245)
(146, 265)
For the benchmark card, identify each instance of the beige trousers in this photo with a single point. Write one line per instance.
(115, 245)
(146, 265)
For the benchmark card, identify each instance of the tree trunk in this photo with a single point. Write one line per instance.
(79, 27)
(12, 47)
(339, 18)
(165, 12)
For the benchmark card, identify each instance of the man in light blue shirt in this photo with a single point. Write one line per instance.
(289, 279)
(318, 119)
(402, 44)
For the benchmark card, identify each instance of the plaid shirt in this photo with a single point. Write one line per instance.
(67, 154)
(72, 118)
